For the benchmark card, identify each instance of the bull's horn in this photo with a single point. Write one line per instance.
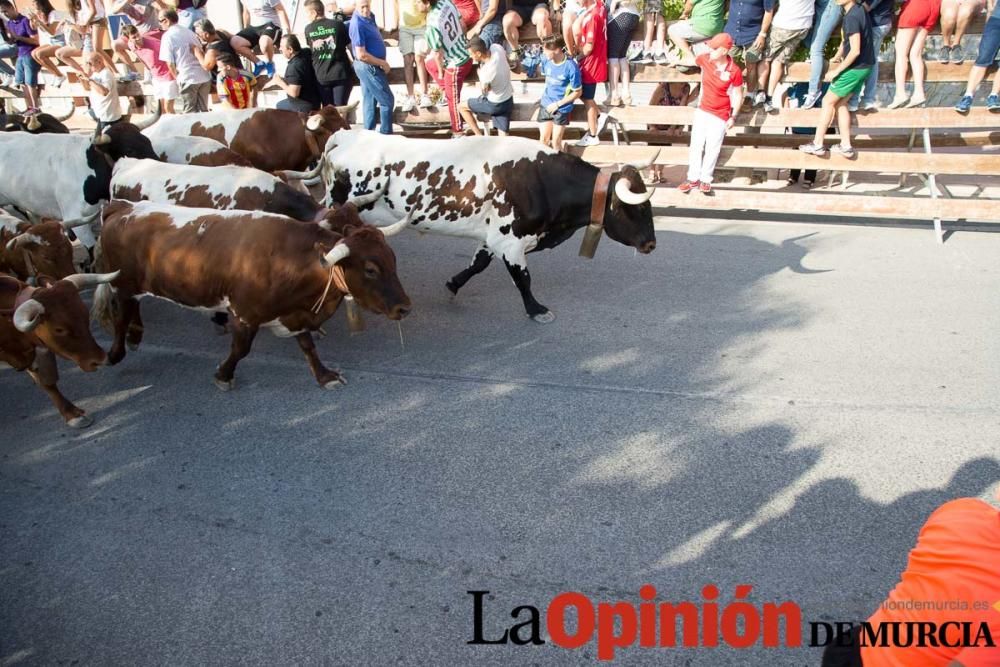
(80, 222)
(370, 198)
(102, 140)
(17, 241)
(84, 280)
(309, 182)
(338, 254)
(626, 196)
(308, 174)
(645, 164)
(33, 123)
(28, 315)
(149, 120)
(397, 227)
(314, 122)
(67, 115)
(344, 111)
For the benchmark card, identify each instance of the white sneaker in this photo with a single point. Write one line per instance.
(602, 122)
(408, 104)
(588, 140)
(7, 80)
(425, 102)
(759, 98)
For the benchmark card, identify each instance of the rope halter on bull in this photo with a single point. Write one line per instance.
(337, 278)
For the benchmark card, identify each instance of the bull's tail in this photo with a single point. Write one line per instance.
(105, 308)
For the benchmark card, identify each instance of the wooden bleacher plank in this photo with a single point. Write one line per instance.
(819, 203)
(762, 158)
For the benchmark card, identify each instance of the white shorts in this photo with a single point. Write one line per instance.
(165, 89)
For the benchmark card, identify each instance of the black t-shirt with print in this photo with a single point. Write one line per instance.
(856, 20)
(300, 73)
(328, 39)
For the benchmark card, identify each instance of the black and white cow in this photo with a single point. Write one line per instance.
(512, 195)
(66, 176)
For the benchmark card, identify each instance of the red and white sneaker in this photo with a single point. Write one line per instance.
(687, 186)
(706, 188)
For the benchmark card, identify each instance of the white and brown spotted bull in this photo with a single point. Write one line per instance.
(266, 270)
(270, 139)
(512, 195)
(37, 323)
(28, 251)
(225, 188)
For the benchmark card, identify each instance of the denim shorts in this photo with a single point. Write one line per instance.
(989, 44)
(26, 71)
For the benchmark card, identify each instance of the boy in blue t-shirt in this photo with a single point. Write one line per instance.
(563, 85)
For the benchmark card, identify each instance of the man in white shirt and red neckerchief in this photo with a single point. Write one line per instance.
(721, 96)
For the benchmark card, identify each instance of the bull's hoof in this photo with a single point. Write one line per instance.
(544, 318)
(83, 421)
(225, 385)
(335, 383)
(115, 356)
(453, 288)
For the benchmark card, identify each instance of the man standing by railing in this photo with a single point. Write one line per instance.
(371, 68)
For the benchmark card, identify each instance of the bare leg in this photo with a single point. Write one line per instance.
(827, 113)
(976, 76)
(626, 82)
(408, 73)
(242, 47)
(243, 335)
(46, 375)
(763, 72)
(904, 39)
(327, 379)
(567, 32)
(647, 42)
(949, 13)
(470, 118)
(123, 55)
(591, 107)
(557, 136)
(965, 13)
(917, 63)
(67, 55)
(511, 25)
(661, 34)
(614, 77)
(543, 26)
(681, 43)
(844, 123)
(545, 133)
(43, 56)
(30, 96)
(267, 48)
(479, 263)
(97, 33)
(775, 75)
(421, 74)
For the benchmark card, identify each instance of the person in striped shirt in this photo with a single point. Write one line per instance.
(236, 87)
(448, 61)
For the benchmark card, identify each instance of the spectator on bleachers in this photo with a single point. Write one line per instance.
(520, 13)
(49, 23)
(26, 70)
(328, 40)
(497, 98)
(955, 17)
(177, 50)
(469, 11)
(571, 10)
(623, 17)
(299, 81)
(749, 22)
(266, 21)
(236, 87)
(654, 43)
(989, 47)
(94, 15)
(846, 78)
(915, 23)
(825, 21)
(146, 48)
(215, 44)
(721, 97)
(489, 27)
(590, 31)
(881, 13)
(789, 27)
(371, 67)
(412, 22)
(141, 14)
(448, 61)
(102, 92)
(189, 12)
(672, 94)
(796, 97)
(88, 23)
(563, 86)
(701, 20)
(8, 51)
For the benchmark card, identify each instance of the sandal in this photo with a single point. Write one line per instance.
(917, 104)
(897, 103)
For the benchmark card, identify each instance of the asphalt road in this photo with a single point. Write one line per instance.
(743, 406)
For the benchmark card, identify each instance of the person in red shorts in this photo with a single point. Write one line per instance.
(590, 32)
(915, 22)
(721, 97)
(953, 577)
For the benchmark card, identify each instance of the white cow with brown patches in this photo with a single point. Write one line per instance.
(512, 195)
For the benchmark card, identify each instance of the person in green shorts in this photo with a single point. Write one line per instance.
(848, 77)
(700, 20)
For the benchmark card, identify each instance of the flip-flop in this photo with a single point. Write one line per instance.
(896, 104)
(917, 104)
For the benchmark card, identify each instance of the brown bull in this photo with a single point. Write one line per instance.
(271, 139)
(28, 251)
(265, 270)
(37, 323)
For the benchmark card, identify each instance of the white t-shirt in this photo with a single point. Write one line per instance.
(496, 73)
(794, 14)
(262, 12)
(55, 17)
(175, 47)
(106, 107)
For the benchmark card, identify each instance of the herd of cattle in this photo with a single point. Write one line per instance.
(215, 211)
